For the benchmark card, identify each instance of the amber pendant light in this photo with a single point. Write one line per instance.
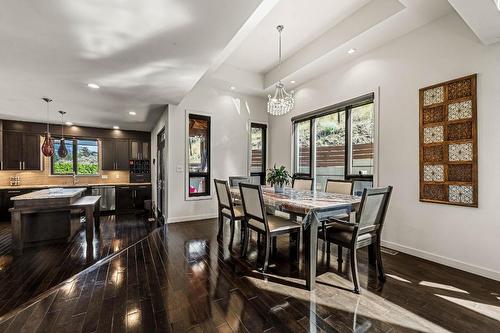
(48, 144)
(62, 151)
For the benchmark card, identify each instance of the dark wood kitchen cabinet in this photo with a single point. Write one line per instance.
(142, 193)
(115, 154)
(139, 150)
(21, 151)
(6, 203)
(131, 198)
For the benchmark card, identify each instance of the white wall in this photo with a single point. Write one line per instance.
(230, 114)
(466, 238)
(161, 123)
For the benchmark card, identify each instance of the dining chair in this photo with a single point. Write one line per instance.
(364, 232)
(227, 209)
(256, 219)
(302, 183)
(236, 180)
(339, 186)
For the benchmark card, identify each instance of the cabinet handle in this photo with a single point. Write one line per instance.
(24, 165)
(13, 191)
(20, 165)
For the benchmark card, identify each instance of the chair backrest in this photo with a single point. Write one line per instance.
(373, 209)
(302, 183)
(338, 186)
(359, 184)
(236, 180)
(253, 203)
(223, 194)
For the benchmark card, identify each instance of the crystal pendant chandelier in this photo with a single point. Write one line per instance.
(48, 144)
(282, 102)
(62, 151)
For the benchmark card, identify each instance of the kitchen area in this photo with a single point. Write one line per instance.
(113, 164)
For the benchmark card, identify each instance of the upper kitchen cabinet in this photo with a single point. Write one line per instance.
(139, 150)
(115, 154)
(21, 151)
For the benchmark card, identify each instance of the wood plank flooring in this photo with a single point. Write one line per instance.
(180, 278)
(43, 267)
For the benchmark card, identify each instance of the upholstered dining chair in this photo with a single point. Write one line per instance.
(364, 232)
(338, 186)
(256, 219)
(227, 209)
(302, 183)
(236, 180)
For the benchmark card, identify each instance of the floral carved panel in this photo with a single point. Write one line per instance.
(448, 142)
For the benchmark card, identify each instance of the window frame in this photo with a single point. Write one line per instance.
(207, 175)
(262, 174)
(74, 144)
(313, 116)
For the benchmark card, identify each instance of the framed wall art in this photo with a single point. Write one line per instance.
(448, 142)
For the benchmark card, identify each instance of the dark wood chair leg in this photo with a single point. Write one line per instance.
(297, 246)
(274, 242)
(232, 222)
(380, 267)
(354, 270)
(221, 222)
(246, 237)
(258, 242)
(266, 256)
(339, 255)
(372, 254)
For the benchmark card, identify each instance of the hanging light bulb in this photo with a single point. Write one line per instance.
(48, 144)
(62, 151)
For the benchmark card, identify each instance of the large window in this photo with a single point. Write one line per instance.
(336, 142)
(82, 158)
(199, 155)
(258, 143)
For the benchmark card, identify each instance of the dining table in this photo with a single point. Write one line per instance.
(314, 207)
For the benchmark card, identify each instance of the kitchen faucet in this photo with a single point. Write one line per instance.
(75, 179)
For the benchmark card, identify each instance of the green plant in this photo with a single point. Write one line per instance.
(278, 176)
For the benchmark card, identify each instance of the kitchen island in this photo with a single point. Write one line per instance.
(45, 216)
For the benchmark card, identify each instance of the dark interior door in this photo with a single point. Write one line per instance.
(160, 174)
(12, 150)
(108, 154)
(31, 152)
(122, 155)
(258, 152)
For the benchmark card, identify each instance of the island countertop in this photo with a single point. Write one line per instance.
(50, 194)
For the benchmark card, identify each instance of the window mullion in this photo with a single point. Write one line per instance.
(312, 152)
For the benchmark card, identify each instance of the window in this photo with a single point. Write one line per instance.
(82, 158)
(258, 142)
(341, 143)
(199, 156)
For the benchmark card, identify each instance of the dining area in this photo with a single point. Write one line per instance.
(313, 220)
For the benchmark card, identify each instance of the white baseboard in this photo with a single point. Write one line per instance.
(191, 218)
(443, 260)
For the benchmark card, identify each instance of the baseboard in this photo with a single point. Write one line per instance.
(444, 260)
(191, 218)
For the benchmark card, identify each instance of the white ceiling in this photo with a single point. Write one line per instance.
(144, 54)
(482, 16)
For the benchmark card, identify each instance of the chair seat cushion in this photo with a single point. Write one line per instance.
(276, 224)
(238, 211)
(342, 233)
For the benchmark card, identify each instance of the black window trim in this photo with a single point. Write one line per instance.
(312, 116)
(261, 174)
(206, 175)
(74, 143)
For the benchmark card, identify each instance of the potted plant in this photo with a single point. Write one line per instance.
(278, 177)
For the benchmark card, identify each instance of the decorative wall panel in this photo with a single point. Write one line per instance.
(448, 142)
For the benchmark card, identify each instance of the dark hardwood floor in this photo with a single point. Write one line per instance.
(181, 278)
(43, 267)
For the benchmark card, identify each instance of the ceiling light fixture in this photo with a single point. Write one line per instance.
(232, 88)
(93, 85)
(48, 143)
(62, 151)
(292, 82)
(69, 123)
(132, 113)
(116, 127)
(282, 102)
(351, 51)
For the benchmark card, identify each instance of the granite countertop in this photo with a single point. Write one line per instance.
(50, 194)
(41, 186)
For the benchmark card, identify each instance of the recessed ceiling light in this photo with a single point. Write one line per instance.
(93, 85)
(116, 127)
(69, 123)
(351, 51)
(292, 82)
(132, 113)
(232, 88)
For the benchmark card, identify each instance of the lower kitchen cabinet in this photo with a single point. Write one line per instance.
(131, 198)
(6, 203)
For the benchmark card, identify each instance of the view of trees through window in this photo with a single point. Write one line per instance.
(199, 155)
(86, 161)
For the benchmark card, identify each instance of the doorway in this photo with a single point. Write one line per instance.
(161, 207)
(258, 153)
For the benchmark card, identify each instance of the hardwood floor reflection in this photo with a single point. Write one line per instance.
(43, 267)
(181, 278)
